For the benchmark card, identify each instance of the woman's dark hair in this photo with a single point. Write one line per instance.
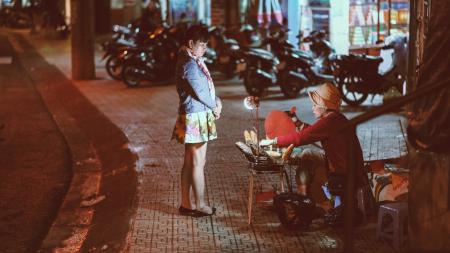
(196, 33)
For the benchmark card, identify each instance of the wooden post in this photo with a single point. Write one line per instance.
(389, 17)
(349, 201)
(169, 18)
(18, 4)
(412, 47)
(378, 19)
(228, 6)
(82, 20)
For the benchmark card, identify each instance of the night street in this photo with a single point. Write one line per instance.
(146, 116)
(290, 126)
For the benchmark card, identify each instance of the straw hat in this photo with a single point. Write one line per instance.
(327, 95)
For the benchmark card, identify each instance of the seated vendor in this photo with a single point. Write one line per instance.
(326, 104)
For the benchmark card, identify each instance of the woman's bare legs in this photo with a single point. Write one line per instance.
(198, 178)
(186, 178)
(193, 177)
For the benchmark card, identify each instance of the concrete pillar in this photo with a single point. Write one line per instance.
(208, 12)
(201, 13)
(163, 6)
(67, 11)
(82, 20)
(293, 21)
(339, 25)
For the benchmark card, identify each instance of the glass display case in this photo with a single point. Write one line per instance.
(373, 20)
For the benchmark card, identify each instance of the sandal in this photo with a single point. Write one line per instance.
(187, 212)
(200, 213)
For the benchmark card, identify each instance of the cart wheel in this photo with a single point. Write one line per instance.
(352, 98)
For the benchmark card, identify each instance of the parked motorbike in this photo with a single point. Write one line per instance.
(357, 76)
(299, 72)
(297, 69)
(115, 54)
(320, 49)
(284, 51)
(251, 37)
(14, 18)
(258, 71)
(154, 62)
(227, 50)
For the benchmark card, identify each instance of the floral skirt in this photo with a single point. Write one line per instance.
(195, 127)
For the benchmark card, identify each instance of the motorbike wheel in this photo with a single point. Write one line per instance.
(352, 98)
(131, 76)
(251, 85)
(114, 67)
(291, 88)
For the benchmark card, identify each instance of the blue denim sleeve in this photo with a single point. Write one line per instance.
(199, 87)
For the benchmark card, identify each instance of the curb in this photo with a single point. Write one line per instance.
(101, 194)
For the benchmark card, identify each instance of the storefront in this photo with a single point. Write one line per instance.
(373, 20)
(368, 21)
(188, 10)
(315, 15)
(352, 25)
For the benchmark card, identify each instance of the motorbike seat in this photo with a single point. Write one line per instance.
(357, 64)
(126, 43)
(374, 58)
(231, 41)
(258, 52)
(322, 77)
(300, 54)
(369, 58)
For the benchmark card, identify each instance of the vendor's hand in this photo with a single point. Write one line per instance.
(267, 142)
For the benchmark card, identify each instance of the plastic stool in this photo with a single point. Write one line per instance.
(398, 211)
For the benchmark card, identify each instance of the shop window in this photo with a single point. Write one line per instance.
(373, 20)
(315, 15)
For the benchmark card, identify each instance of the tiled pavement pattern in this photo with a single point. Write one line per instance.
(382, 141)
(146, 115)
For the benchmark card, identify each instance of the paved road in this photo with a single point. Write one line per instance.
(34, 162)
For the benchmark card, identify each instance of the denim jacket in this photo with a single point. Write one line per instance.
(192, 86)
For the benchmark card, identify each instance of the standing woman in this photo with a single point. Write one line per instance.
(195, 126)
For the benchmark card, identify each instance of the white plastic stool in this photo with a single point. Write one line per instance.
(398, 211)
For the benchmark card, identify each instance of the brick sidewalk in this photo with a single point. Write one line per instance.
(146, 115)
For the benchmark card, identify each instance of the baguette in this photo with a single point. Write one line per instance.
(287, 153)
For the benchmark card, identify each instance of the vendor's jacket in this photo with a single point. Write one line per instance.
(334, 142)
